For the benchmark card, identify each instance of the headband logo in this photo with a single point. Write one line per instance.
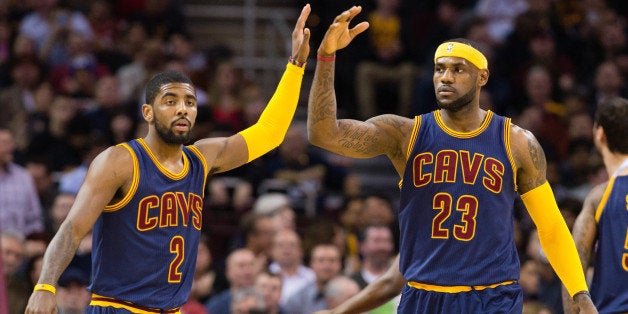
(449, 47)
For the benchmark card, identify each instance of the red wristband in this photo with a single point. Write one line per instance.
(326, 59)
(297, 62)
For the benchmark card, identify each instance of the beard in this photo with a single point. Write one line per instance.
(168, 136)
(457, 104)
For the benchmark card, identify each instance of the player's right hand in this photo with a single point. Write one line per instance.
(41, 302)
(339, 35)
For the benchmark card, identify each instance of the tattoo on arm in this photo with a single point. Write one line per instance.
(357, 139)
(535, 175)
(58, 256)
(325, 106)
(537, 156)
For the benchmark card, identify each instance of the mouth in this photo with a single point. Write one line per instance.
(445, 90)
(181, 125)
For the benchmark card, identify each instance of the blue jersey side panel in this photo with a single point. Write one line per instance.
(145, 251)
(456, 206)
(609, 288)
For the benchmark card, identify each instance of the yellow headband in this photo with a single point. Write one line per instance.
(456, 49)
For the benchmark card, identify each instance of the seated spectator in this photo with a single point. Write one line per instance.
(20, 209)
(339, 290)
(240, 272)
(269, 285)
(18, 288)
(72, 294)
(287, 254)
(326, 263)
(388, 62)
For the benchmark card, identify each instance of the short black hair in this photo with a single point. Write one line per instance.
(161, 79)
(611, 115)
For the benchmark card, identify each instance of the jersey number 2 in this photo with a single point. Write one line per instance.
(177, 247)
(444, 204)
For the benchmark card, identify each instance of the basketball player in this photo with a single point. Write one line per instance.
(144, 198)
(461, 169)
(604, 216)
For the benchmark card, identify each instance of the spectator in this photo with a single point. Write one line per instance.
(18, 288)
(240, 271)
(72, 295)
(377, 251)
(247, 301)
(326, 263)
(339, 290)
(387, 63)
(269, 285)
(302, 172)
(258, 232)
(48, 21)
(287, 254)
(17, 101)
(20, 209)
(203, 286)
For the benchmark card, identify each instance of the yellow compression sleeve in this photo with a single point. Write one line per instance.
(555, 238)
(271, 128)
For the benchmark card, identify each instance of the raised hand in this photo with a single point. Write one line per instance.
(301, 36)
(339, 35)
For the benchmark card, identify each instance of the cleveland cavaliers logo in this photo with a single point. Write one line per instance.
(449, 47)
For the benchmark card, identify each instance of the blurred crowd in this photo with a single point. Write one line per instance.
(294, 231)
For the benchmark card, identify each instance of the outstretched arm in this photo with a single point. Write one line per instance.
(378, 292)
(385, 134)
(539, 200)
(224, 154)
(584, 234)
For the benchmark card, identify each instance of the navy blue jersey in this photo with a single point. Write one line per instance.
(456, 207)
(609, 289)
(145, 246)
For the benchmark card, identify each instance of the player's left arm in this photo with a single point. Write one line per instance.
(539, 200)
(223, 154)
(584, 234)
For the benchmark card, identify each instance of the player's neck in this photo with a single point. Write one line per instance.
(616, 163)
(162, 150)
(465, 120)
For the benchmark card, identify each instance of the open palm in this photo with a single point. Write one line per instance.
(339, 35)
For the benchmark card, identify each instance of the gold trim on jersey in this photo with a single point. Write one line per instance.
(443, 126)
(134, 183)
(413, 136)
(200, 156)
(164, 170)
(455, 289)
(607, 193)
(509, 152)
(102, 301)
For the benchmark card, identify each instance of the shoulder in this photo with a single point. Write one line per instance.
(394, 123)
(595, 195)
(529, 157)
(115, 161)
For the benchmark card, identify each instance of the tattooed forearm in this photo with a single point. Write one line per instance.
(322, 99)
(58, 255)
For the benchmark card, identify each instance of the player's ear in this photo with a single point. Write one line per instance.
(483, 75)
(147, 112)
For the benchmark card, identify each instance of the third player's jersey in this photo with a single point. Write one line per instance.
(145, 246)
(456, 211)
(609, 289)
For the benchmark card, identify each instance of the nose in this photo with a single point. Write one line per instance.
(447, 76)
(182, 110)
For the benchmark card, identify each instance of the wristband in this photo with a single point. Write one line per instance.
(326, 59)
(297, 62)
(51, 288)
(581, 292)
